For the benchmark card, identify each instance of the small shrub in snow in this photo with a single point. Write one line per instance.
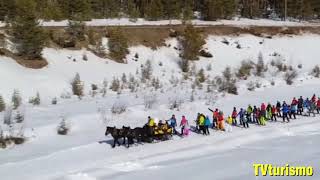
(118, 108)
(94, 87)
(227, 83)
(272, 83)
(65, 95)
(54, 101)
(7, 118)
(84, 57)
(245, 69)
(225, 41)
(146, 71)
(175, 103)
(16, 99)
(136, 56)
(192, 96)
(258, 84)
(77, 86)
(156, 83)
(35, 100)
(251, 86)
(290, 76)
(184, 65)
(160, 63)
(260, 66)
(150, 100)
(115, 85)
(200, 76)
(209, 67)
(316, 71)
(2, 104)
(299, 66)
(63, 128)
(19, 117)
(205, 54)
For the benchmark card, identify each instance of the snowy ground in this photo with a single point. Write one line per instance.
(85, 154)
(81, 156)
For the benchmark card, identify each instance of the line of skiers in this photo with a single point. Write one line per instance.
(252, 114)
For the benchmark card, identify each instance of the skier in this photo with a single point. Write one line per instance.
(318, 105)
(300, 105)
(249, 113)
(245, 120)
(314, 98)
(220, 121)
(202, 119)
(306, 105)
(215, 114)
(263, 110)
(234, 116)
(285, 111)
(294, 101)
(279, 108)
(254, 114)
(206, 125)
(274, 113)
(293, 110)
(241, 115)
(183, 124)
(151, 122)
(269, 112)
(173, 123)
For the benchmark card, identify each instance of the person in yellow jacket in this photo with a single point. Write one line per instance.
(151, 122)
(202, 119)
(229, 120)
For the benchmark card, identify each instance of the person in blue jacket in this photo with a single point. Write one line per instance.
(207, 124)
(241, 115)
(285, 112)
(293, 110)
(173, 123)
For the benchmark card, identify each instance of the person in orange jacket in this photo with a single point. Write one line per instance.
(220, 121)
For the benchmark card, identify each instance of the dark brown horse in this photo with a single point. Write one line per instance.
(116, 135)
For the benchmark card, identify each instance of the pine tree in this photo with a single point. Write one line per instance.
(201, 77)
(118, 45)
(154, 10)
(172, 9)
(187, 11)
(16, 99)
(2, 104)
(77, 86)
(191, 42)
(28, 37)
(7, 9)
(51, 10)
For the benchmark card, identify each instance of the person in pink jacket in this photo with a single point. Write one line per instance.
(183, 124)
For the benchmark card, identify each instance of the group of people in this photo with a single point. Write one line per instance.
(250, 115)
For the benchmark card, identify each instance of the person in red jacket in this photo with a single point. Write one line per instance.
(263, 110)
(318, 105)
(274, 113)
(294, 101)
(234, 116)
(221, 121)
(314, 98)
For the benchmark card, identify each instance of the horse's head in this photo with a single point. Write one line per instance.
(109, 130)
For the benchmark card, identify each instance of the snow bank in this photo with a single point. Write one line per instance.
(142, 22)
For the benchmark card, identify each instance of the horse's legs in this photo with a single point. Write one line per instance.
(124, 140)
(114, 143)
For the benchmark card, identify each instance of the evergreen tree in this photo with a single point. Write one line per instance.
(16, 99)
(187, 11)
(77, 86)
(7, 9)
(191, 42)
(2, 104)
(25, 32)
(154, 10)
(172, 9)
(118, 45)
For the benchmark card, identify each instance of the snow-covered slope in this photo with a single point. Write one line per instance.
(55, 79)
